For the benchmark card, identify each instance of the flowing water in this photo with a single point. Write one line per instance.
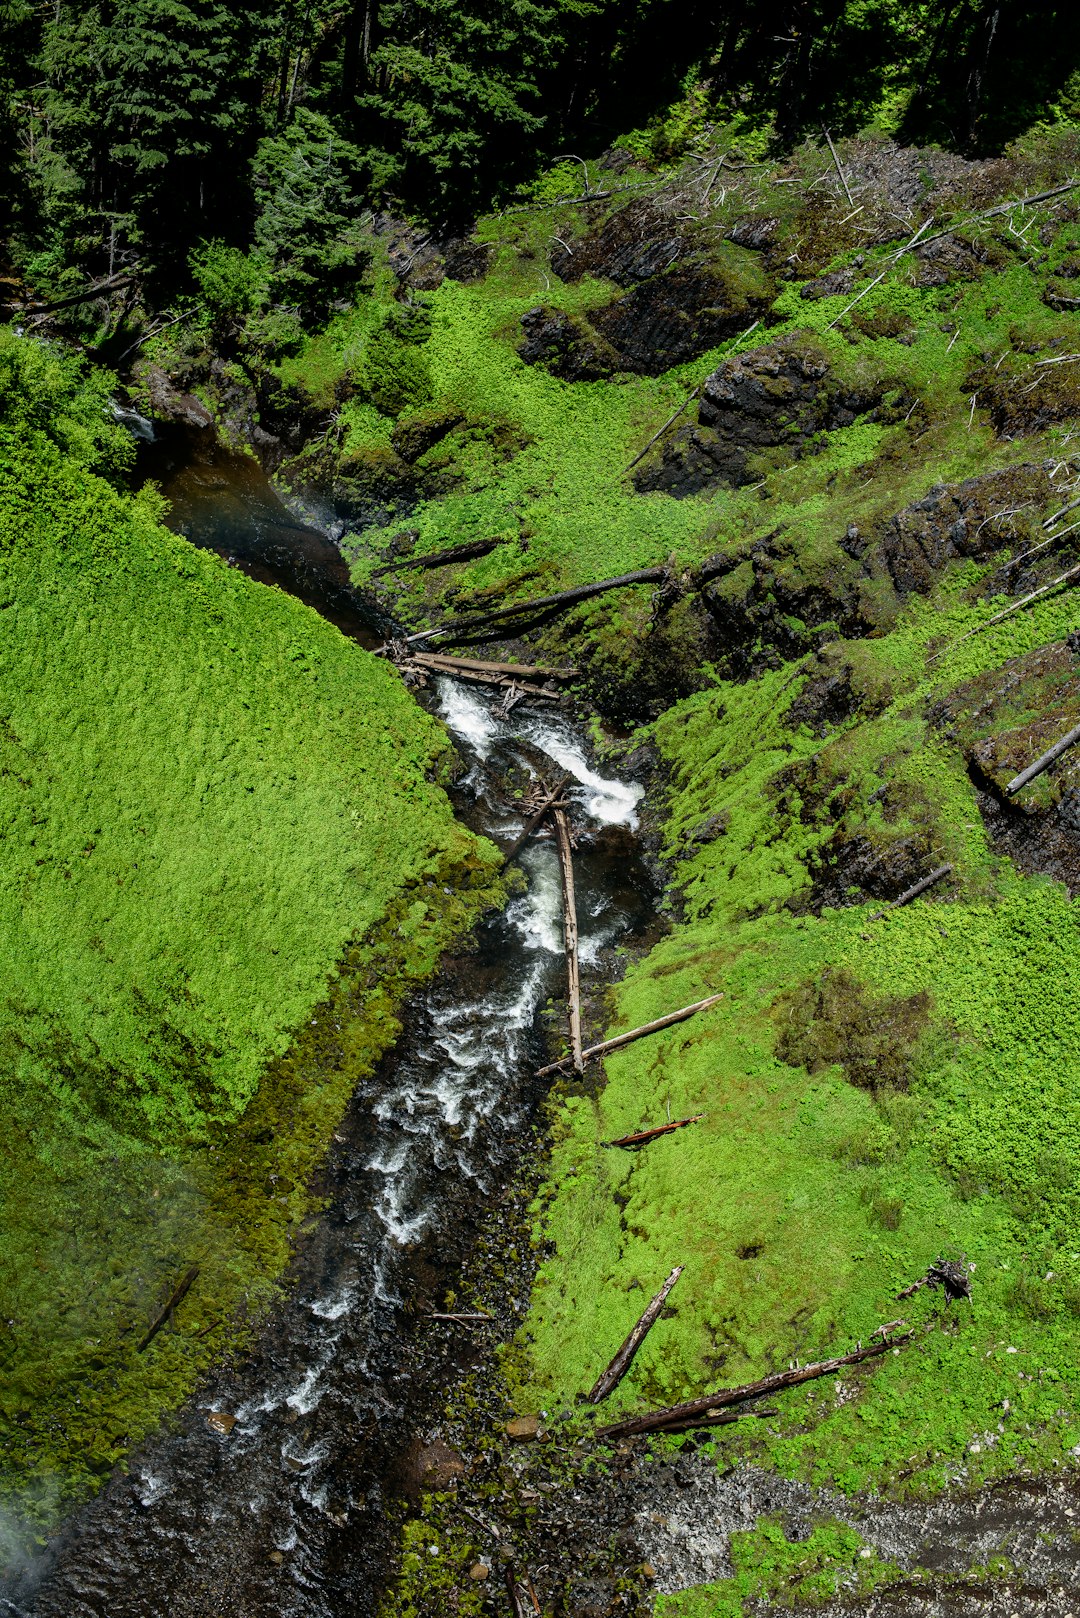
(285, 1514)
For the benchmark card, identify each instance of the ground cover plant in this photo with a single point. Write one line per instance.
(225, 861)
(856, 690)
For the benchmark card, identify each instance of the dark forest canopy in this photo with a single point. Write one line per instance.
(140, 127)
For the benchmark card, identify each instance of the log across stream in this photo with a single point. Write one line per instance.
(283, 1511)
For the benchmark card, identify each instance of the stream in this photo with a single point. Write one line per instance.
(284, 1513)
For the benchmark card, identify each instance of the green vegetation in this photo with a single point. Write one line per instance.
(831, 1561)
(225, 863)
(876, 1092)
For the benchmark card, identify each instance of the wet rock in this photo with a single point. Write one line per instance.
(523, 1429)
(168, 403)
(479, 1572)
(423, 262)
(756, 231)
(778, 395)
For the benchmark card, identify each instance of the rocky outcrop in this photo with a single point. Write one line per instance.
(778, 395)
(971, 519)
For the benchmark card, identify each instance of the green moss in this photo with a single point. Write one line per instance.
(224, 864)
(831, 1561)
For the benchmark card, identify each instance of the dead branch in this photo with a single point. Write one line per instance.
(1035, 595)
(839, 170)
(620, 1040)
(609, 1380)
(178, 1293)
(1043, 761)
(913, 892)
(645, 1135)
(534, 820)
(539, 671)
(675, 1418)
(952, 1275)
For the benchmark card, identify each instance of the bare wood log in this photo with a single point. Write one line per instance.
(1002, 207)
(892, 259)
(421, 660)
(674, 1417)
(913, 892)
(539, 671)
(479, 1315)
(1043, 762)
(534, 821)
(1052, 539)
(570, 934)
(1062, 578)
(527, 609)
(609, 1380)
(645, 1135)
(453, 553)
(178, 1293)
(620, 1040)
(839, 170)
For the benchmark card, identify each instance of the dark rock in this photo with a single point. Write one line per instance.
(565, 346)
(631, 245)
(828, 286)
(167, 403)
(780, 394)
(756, 231)
(825, 702)
(974, 519)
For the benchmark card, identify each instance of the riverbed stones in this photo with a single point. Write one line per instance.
(523, 1429)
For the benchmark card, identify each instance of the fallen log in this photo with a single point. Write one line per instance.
(527, 609)
(570, 934)
(178, 1293)
(512, 1591)
(454, 553)
(1043, 761)
(674, 1418)
(609, 1380)
(537, 671)
(112, 285)
(476, 1316)
(635, 1033)
(528, 688)
(534, 821)
(954, 1275)
(717, 1418)
(913, 892)
(645, 1135)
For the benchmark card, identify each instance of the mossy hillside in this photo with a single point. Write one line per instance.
(804, 1201)
(564, 497)
(214, 807)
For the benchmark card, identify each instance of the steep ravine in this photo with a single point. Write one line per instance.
(268, 1492)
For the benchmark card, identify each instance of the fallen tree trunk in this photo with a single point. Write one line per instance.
(528, 688)
(675, 1418)
(454, 553)
(570, 934)
(527, 671)
(1043, 762)
(526, 609)
(534, 821)
(609, 1380)
(635, 1033)
(645, 1135)
(178, 1293)
(913, 892)
(1007, 612)
(717, 1418)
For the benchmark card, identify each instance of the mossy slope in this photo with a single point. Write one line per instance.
(217, 812)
